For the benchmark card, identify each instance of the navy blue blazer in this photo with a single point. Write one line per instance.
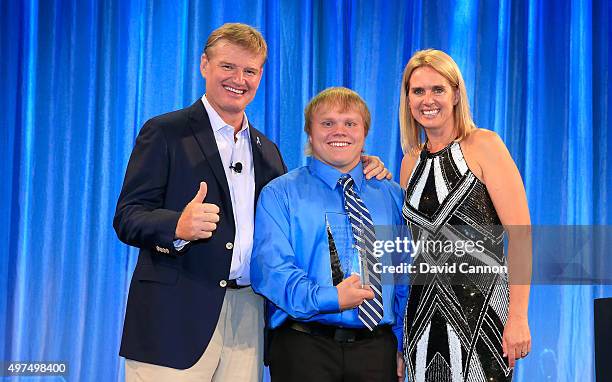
(175, 297)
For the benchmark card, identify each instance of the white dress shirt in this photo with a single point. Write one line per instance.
(241, 187)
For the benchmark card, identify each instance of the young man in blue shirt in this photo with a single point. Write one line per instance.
(314, 235)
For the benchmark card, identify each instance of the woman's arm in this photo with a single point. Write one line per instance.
(505, 186)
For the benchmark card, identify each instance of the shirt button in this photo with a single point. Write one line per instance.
(229, 245)
(222, 283)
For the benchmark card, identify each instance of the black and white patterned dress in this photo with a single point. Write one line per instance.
(454, 320)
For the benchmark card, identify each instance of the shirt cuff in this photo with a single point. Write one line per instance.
(327, 296)
(179, 244)
(400, 339)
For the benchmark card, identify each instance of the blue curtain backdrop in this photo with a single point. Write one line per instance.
(78, 79)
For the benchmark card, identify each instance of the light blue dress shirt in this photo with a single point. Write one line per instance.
(290, 264)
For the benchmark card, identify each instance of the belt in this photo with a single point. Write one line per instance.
(232, 284)
(338, 334)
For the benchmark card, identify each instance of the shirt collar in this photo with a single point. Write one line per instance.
(330, 175)
(217, 123)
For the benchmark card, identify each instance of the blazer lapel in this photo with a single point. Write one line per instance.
(202, 130)
(259, 162)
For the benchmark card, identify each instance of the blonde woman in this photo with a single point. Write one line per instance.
(465, 322)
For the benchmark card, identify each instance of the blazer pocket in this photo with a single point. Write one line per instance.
(159, 273)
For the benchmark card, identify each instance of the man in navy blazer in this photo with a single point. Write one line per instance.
(188, 202)
(192, 178)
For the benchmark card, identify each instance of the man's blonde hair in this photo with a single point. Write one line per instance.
(245, 36)
(442, 63)
(339, 97)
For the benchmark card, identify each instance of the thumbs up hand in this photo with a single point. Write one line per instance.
(199, 219)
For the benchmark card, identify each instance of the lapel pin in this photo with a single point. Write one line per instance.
(258, 142)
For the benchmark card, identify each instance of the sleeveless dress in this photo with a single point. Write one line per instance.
(454, 319)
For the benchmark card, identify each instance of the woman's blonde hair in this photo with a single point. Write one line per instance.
(411, 137)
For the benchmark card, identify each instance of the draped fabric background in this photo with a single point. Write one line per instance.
(79, 78)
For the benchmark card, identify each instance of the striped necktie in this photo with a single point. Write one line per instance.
(370, 311)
